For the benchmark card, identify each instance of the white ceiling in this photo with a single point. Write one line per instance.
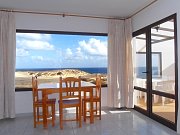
(106, 8)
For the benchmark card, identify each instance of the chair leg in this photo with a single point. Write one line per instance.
(82, 108)
(100, 110)
(53, 115)
(96, 108)
(84, 111)
(61, 117)
(34, 114)
(80, 112)
(77, 114)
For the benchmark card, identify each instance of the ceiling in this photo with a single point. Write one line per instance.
(104, 8)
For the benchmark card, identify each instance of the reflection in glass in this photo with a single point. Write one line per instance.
(162, 40)
(140, 99)
(164, 107)
(140, 60)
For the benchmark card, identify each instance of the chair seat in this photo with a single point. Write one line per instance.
(49, 101)
(71, 101)
(88, 98)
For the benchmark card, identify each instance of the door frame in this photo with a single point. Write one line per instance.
(147, 30)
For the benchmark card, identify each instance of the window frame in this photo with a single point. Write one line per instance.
(55, 32)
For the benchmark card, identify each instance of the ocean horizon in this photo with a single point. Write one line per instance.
(102, 70)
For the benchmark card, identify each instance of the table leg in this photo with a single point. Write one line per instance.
(91, 106)
(44, 109)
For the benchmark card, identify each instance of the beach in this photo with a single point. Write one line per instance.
(23, 79)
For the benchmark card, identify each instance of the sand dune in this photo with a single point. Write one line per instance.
(23, 78)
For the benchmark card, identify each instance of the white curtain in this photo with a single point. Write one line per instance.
(120, 70)
(7, 64)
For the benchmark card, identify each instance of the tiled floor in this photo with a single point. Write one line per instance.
(114, 122)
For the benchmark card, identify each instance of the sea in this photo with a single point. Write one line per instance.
(101, 70)
(139, 71)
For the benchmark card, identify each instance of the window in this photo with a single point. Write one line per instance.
(50, 56)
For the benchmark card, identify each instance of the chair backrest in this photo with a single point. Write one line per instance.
(70, 88)
(34, 89)
(98, 86)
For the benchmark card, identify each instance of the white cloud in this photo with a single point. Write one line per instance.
(68, 54)
(34, 41)
(37, 58)
(34, 45)
(73, 55)
(94, 47)
(34, 36)
(78, 53)
(21, 52)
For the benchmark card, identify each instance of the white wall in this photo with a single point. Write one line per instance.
(156, 12)
(59, 23)
(23, 101)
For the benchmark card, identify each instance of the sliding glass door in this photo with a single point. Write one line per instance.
(163, 70)
(140, 83)
(155, 66)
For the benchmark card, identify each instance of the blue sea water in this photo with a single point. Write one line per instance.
(140, 70)
(102, 70)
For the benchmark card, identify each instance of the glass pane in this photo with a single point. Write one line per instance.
(140, 99)
(164, 107)
(140, 60)
(50, 56)
(163, 57)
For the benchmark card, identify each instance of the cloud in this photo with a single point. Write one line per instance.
(34, 41)
(94, 47)
(37, 58)
(74, 55)
(33, 36)
(79, 54)
(34, 45)
(90, 50)
(68, 54)
(21, 52)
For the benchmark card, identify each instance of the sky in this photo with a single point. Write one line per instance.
(34, 50)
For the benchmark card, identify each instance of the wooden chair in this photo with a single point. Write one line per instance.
(70, 96)
(96, 101)
(37, 104)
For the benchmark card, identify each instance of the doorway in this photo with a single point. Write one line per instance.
(155, 71)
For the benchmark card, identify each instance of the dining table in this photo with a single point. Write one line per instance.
(52, 87)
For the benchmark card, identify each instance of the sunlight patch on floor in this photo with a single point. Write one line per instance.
(120, 111)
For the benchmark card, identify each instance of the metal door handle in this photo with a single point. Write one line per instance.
(145, 72)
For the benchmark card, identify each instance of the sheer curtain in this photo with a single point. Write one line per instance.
(7, 64)
(120, 71)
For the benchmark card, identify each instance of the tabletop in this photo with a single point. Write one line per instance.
(56, 85)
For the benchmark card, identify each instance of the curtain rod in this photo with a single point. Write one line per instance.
(60, 14)
(75, 15)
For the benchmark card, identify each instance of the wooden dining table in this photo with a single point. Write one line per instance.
(50, 88)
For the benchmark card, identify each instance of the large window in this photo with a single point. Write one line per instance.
(50, 56)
